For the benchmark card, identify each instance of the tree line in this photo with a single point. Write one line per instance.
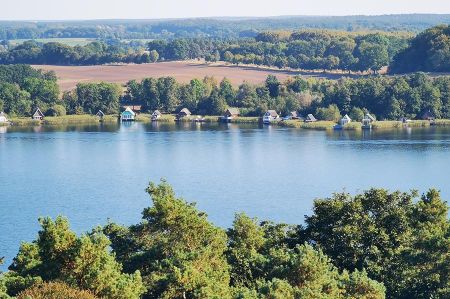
(376, 244)
(98, 52)
(307, 49)
(389, 98)
(212, 27)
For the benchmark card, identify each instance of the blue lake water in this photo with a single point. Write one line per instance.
(92, 173)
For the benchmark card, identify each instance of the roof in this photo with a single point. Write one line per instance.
(346, 117)
(310, 117)
(156, 112)
(129, 110)
(100, 113)
(272, 113)
(368, 116)
(293, 113)
(38, 112)
(185, 111)
(233, 111)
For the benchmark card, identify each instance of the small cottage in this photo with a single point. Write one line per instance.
(310, 118)
(128, 115)
(270, 116)
(38, 115)
(3, 117)
(155, 115)
(100, 114)
(183, 113)
(230, 114)
(367, 121)
(293, 115)
(345, 120)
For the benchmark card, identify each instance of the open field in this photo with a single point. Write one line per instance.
(69, 76)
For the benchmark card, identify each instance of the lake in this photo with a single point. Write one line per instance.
(94, 173)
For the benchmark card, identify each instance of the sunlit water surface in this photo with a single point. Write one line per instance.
(92, 173)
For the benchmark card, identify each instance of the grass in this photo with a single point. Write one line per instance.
(60, 120)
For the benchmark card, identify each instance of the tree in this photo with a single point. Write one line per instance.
(180, 254)
(54, 290)
(154, 56)
(331, 113)
(273, 85)
(84, 262)
(372, 56)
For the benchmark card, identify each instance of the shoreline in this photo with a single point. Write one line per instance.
(170, 118)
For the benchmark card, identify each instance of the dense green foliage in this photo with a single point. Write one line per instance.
(429, 51)
(372, 245)
(55, 53)
(84, 262)
(386, 97)
(312, 49)
(212, 27)
(23, 88)
(54, 290)
(403, 243)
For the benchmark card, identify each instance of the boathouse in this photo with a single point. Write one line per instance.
(100, 114)
(156, 114)
(38, 115)
(270, 116)
(183, 113)
(230, 114)
(128, 115)
(345, 120)
(310, 118)
(367, 121)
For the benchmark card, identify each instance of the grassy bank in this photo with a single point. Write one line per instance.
(61, 120)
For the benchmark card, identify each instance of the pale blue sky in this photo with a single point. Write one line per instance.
(150, 9)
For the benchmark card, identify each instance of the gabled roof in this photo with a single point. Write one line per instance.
(100, 113)
(272, 113)
(293, 113)
(130, 111)
(156, 112)
(38, 112)
(310, 117)
(346, 117)
(233, 111)
(185, 111)
(368, 116)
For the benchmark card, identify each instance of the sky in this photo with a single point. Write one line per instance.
(158, 9)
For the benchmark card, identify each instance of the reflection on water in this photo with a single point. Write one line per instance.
(94, 172)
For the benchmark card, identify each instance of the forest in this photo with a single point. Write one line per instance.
(376, 244)
(212, 27)
(308, 49)
(429, 51)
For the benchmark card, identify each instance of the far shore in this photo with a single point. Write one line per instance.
(171, 118)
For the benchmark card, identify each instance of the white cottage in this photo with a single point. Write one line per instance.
(38, 115)
(270, 116)
(155, 115)
(367, 121)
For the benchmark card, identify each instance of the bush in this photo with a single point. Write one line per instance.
(54, 290)
(331, 113)
(57, 110)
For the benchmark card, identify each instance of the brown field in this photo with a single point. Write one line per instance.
(69, 76)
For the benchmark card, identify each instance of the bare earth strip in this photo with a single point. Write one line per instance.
(69, 76)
